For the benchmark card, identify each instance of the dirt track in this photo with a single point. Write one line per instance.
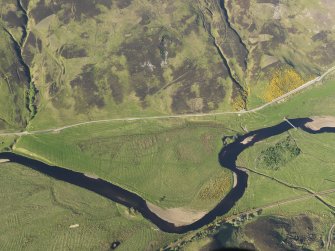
(304, 86)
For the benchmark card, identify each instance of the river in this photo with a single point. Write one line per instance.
(227, 158)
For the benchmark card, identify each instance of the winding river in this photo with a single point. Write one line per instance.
(227, 158)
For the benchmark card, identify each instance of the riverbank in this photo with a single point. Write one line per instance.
(174, 220)
(320, 122)
(177, 216)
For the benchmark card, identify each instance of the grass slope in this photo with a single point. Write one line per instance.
(310, 169)
(313, 168)
(171, 163)
(185, 153)
(281, 33)
(36, 213)
(175, 159)
(93, 60)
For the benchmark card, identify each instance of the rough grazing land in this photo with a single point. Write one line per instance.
(37, 213)
(83, 60)
(68, 61)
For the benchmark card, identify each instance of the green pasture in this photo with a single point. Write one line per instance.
(170, 163)
(36, 213)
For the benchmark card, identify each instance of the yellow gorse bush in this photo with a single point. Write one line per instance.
(238, 100)
(282, 81)
(216, 187)
(238, 103)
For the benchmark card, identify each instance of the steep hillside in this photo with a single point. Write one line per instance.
(284, 38)
(86, 60)
(14, 73)
(97, 59)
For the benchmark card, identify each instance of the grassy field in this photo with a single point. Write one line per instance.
(310, 215)
(170, 163)
(6, 143)
(297, 226)
(313, 168)
(176, 154)
(36, 213)
(97, 60)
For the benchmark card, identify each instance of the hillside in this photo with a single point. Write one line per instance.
(86, 60)
(164, 125)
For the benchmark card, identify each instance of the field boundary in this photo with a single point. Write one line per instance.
(275, 204)
(293, 186)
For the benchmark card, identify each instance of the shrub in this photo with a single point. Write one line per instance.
(282, 81)
(279, 154)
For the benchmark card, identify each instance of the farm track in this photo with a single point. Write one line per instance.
(270, 206)
(227, 158)
(305, 189)
(284, 202)
(193, 115)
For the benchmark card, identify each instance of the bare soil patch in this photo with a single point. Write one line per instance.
(92, 176)
(178, 216)
(4, 160)
(320, 122)
(247, 140)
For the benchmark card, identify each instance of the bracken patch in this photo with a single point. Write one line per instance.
(86, 91)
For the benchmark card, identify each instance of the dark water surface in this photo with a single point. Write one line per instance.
(227, 158)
